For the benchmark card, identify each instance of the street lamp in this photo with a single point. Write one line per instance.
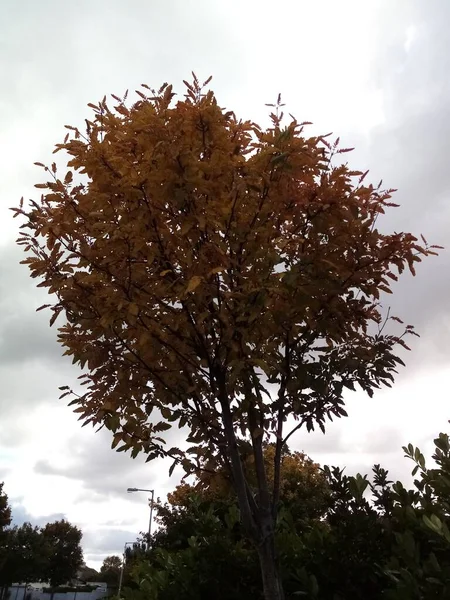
(152, 492)
(123, 565)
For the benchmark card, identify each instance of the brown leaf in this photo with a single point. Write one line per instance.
(193, 284)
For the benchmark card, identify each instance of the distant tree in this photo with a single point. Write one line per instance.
(111, 563)
(87, 574)
(219, 276)
(27, 554)
(5, 521)
(5, 510)
(65, 554)
(110, 570)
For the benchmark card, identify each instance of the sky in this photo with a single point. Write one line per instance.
(375, 73)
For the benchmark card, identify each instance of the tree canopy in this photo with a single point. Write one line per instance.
(28, 553)
(218, 276)
(66, 555)
(110, 570)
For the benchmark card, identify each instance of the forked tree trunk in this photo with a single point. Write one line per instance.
(256, 517)
(272, 585)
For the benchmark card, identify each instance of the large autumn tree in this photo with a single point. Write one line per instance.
(217, 275)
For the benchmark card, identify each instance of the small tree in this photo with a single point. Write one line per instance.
(65, 554)
(217, 276)
(110, 570)
(5, 521)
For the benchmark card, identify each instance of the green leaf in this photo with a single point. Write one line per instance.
(434, 523)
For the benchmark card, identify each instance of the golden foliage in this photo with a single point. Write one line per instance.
(212, 273)
(300, 477)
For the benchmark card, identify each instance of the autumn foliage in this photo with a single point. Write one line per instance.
(303, 485)
(214, 275)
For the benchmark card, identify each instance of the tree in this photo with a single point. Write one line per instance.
(87, 574)
(110, 570)
(200, 554)
(65, 554)
(5, 510)
(26, 556)
(52, 553)
(5, 521)
(218, 276)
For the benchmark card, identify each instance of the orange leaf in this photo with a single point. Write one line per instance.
(133, 309)
(194, 282)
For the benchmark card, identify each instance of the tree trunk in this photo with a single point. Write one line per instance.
(272, 585)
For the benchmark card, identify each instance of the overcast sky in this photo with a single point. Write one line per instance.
(374, 72)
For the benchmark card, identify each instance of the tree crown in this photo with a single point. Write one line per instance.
(213, 273)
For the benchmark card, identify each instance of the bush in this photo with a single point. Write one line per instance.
(377, 540)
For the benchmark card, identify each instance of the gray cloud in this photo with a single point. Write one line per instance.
(21, 515)
(92, 49)
(107, 541)
(410, 149)
(337, 441)
(26, 338)
(31, 366)
(3, 472)
(26, 388)
(389, 440)
(101, 470)
(24, 334)
(104, 472)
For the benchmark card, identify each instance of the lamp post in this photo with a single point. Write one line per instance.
(122, 568)
(152, 492)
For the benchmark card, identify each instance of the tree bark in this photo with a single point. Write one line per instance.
(257, 518)
(272, 585)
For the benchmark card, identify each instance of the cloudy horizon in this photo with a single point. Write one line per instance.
(373, 73)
